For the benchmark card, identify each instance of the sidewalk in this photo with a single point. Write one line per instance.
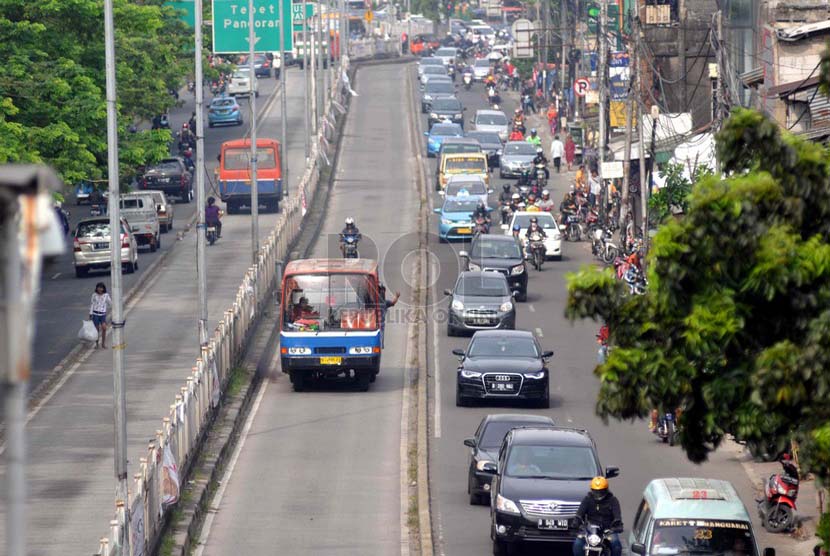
(70, 451)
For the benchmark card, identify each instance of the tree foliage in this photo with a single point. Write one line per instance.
(674, 195)
(52, 81)
(735, 327)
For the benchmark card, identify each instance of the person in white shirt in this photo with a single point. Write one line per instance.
(593, 183)
(98, 309)
(557, 151)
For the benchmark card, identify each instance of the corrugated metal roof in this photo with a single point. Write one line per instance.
(788, 88)
(792, 34)
(752, 76)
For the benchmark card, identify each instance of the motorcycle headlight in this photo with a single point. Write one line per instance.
(506, 505)
(456, 305)
(536, 376)
(474, 266)
(480, 465)
(782, 490)
(516, 270)
(299, 351)
(506, 306)
(470, 374)
(594, 539)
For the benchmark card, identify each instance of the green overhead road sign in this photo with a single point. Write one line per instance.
(298, 15)
(188, 9)
(230, 26)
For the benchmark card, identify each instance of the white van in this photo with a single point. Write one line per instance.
(139, 210)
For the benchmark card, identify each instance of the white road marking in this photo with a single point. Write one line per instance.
(404, 451)
(539, 333)
(531, 308)
(56, 275)
(436, 369)
(217, 498)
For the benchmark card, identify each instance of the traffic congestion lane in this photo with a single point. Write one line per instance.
(70, 450)
(55, 331)
(331, 456)
(461, 529)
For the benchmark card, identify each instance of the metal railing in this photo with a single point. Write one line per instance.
(156, 486)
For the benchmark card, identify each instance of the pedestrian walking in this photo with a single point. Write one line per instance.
(570, 151)
(552, 116)
(98, 309)
(557, 150)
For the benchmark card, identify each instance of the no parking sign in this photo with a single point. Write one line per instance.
(582, 86)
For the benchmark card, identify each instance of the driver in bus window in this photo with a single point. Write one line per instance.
(303, 310)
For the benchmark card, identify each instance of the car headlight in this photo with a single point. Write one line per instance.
(456, 305)
(458, 116)
(360, 350)
(480, 465)
(537, 375)
(299, 351)
(427, 97)
(506, 505)
(506, 306)
(498, 152)
(473, 266)
(557, 236)
(433, 115)
(594, 539)
(516, 270)
(446, 221)
(470, 374)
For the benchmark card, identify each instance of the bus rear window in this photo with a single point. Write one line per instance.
(240, 159)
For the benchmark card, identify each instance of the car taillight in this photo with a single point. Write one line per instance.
(144, 183)
(181, 181)
(125, 241)
(76, 245)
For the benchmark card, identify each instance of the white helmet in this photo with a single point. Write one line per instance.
(349, 221)
(516, 197)
(545, 193)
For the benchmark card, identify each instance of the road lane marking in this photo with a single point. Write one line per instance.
(437, 369)
(213, 506)
(539, 333)
(55, 275)
(532, 309)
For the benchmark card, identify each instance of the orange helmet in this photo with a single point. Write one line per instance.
(599, 483)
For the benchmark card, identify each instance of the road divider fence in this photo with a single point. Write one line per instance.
(169, 456)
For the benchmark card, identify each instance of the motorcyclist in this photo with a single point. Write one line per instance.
(516, 202)
(490, 80)
(602, 508)
(481, 213)
(192, 122)
(516, 230)
(213, 215)
(545, 203)
(516, 135)
(533, 138)
(187, 158)
(540, 160)
(568, 205)
(349, 230)
(519, 119)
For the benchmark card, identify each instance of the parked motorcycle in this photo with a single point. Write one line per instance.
(349, 242)
(777, 508)
(536, 246)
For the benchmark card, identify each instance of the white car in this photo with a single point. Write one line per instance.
(492, 120)
(447, 54)
(241, 83)
(433, 71)
(553, 241)
(481, 69)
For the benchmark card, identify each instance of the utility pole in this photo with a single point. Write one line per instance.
(603, 100)
(313, 80)
(563, 25)
(284, 102)
(118, 333)
(321, 67)
(681, 51)
(629, 116)
(545, 35)
(252, 100)
(201, 268)
(306, 94)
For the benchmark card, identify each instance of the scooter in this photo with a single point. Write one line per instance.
(777, 508)
(211, 234)
(468, 80)
(667, 428)
(349, 246)
(537, 250)
(481, 225)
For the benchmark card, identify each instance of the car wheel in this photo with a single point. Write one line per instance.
(522, 296)
(129, 268)
(239, 121)
(451, 331)
(256, 94)
(297, 380)
(362, 380)
(231, 207)
(170, 225)
(158, 241)
(210, 124)
(81, 271)
(501, 174)
(135, 264)
(460, 401)
(153, 245)
(163, 228)
(475, 499)
(501, 548)
(544, 403)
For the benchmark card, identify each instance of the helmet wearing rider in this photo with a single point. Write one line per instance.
(516, 230)
(599, 488)
(545, 195)
(533, 132)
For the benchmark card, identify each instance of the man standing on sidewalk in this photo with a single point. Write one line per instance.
(557, 150)
(593, 183)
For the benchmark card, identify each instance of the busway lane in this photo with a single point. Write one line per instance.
(320, 470)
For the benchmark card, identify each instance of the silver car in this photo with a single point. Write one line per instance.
(91, 246)
(516, 158)
(491, 120)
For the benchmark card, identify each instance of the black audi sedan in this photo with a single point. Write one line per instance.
(480, 300)
(497, 253)
(542, 476)
(484, 449)
(503, 365)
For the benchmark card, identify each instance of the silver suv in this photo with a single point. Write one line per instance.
(91, 246)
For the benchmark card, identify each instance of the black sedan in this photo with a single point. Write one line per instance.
(502, 254)
(490, 144)
(480, 300)
(446, 109)
(171, 176)
(484, 449)
(505, 365)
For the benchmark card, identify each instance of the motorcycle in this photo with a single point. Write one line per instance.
(667, 428)
(573, 231)
(597, 541)
(537, 249)
(541, 176)
(636, 280)
(349, 242)
(493, 96)
(211, 234)
(505, 213)
(468, 80)
(602, 247)
(481, 225)
(777, 508)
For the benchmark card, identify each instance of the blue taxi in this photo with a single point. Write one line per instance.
(692, 516)
(224, 110)
(438, 132)
(456, 218)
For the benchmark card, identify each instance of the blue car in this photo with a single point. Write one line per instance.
(224, 110)
(437, 133)
(456, 218)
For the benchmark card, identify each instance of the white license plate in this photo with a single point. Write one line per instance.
(480, 322)
(101, 245)
(552, 524)
(501, 386)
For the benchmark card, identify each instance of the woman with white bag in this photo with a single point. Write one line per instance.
(98, 309)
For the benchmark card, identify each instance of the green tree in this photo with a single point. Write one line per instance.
(735, 326)
(674, 196)
(52, 81)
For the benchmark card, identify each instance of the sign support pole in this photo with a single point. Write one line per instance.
(306, 95)
(201, 270)
(284, 104)
(252, 100)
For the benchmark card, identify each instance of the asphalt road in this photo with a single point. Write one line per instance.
(70, 439)
(320, 471)
(56, 331)
(461, 529)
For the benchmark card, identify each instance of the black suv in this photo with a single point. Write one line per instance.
(171, 176)
(542, 475)
(496, 253)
